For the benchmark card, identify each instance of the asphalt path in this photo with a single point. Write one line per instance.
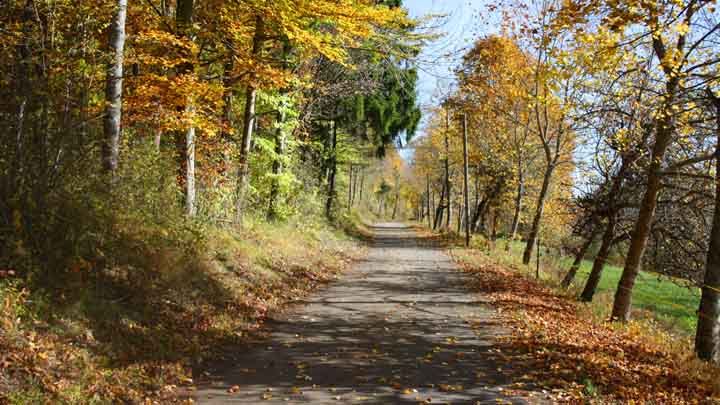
(399, 328)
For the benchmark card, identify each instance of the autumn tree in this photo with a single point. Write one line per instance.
(666, 38)
(496, 77)
(554, 92)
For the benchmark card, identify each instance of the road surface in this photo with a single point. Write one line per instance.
(400, 328)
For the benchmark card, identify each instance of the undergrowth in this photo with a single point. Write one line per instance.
(110, 294)
(116, 339)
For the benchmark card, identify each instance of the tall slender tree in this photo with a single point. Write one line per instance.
(185, 140)
(113, 88)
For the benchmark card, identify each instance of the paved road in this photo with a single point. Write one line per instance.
(400, 328)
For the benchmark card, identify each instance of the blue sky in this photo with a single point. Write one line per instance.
(463, 21)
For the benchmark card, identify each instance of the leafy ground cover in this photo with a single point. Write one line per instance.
(576, 353)
(674, 303)
(123, 339)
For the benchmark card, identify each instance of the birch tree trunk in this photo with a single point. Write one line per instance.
(185, 141)
(113, 89)
(190, 189)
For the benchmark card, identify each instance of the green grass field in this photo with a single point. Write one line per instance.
(671, 303)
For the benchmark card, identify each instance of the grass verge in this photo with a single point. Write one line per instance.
(130, 336)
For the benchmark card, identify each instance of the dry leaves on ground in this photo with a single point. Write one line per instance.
(580, 357)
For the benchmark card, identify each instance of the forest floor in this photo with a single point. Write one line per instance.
(401, 327)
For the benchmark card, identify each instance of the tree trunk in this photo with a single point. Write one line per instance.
(707, 337)
(113, 89)
(483, 206)
(476, 200)
(579, 256)
(354, 183)
(483, 219)
(432, 209)
(229, 95)
(333, 171)
(440, 208)
(185, 141)
(277, 168)
(641, 231)
(248, 127)
(362, 184)
(479, 209)
(419, 209)
(190, 190)
(459, 218)
(448, 206)
(395, 206)
(447, 169)
(397, 195)
(228, 131)
(157, 140)
(350, 187)
(466, 189)
(599, 263)
(429, 198)
(24, 91)
(535, 229)
(493, 233)
(518, 206)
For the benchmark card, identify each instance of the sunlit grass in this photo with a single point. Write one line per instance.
(671, 302)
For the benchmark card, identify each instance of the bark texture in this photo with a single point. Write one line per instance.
(535, 229)
(113, 89)
(707, 338)
(185, 140)
(579, 256)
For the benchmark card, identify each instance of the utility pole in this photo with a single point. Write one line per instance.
(537, 264)
(447, 163)
(429, 208)
(465, 181)
(333, 172)
(350, 189)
